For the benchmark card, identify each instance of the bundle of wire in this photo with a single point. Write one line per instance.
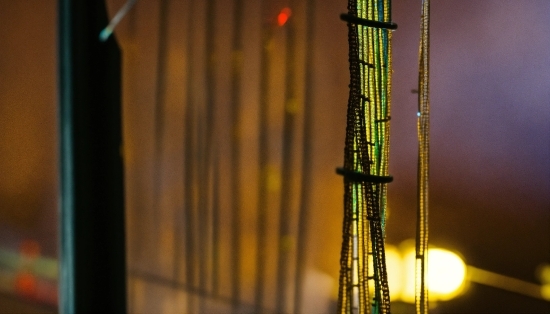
(363, 278)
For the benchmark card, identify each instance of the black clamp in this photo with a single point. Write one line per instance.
(362, 177)
(370, 23)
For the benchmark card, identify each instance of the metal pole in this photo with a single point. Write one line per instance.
(92, 246)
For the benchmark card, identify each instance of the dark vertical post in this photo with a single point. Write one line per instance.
(92, 254)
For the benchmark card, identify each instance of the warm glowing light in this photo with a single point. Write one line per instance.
(25, 284)
(283, 16)
(545, 292)
(394, 269)
(407, 292)
(446, 274)
(544, 273)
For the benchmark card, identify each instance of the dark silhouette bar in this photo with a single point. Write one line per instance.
(370, 23)
(362, 177)
(92, 245)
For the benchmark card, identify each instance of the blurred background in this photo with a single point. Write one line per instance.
(206, 178)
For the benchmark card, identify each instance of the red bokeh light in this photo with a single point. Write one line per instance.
(25, 284)
(283, 16)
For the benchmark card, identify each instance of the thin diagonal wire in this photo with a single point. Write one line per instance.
(421, 289)
(109, 29)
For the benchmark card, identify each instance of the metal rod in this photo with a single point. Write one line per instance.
(92, 274)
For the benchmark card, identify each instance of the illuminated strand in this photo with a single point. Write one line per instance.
(363, 279)
(421, 289)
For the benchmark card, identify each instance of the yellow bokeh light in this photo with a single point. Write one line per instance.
(544, 273)
(545, 292)
(407, 293)
(446, 275)
(393, 264)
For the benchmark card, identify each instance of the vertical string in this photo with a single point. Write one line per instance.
(216, 226)
(211, 157)
(289, 129)
(305, 193)
(205, 152)
(263, 158)
(160, 103)
(237, 56)
(188, 177)
(421, 289)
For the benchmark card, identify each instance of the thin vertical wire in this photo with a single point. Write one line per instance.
(160, 103)
(189, 198)
(237, 56)
(305, 194)
(211, 151)
(216, 226)
(205, 150)
(289, 130)
(188, 177)
(263, 158)
(421, 289)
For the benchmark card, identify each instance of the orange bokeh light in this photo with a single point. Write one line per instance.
(283, 16)
(25, 284)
